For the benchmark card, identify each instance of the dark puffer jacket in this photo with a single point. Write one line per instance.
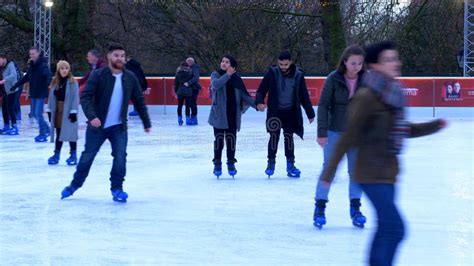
(333, 103)
(39, 77)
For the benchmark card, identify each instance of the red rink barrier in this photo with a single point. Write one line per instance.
(420, 92)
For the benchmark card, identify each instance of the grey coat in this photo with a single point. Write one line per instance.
(218, 114)
(69, 130)
(10, 76)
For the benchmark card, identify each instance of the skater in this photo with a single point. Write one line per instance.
(95, 61)
(105, 102)
(134, 66)
(63, 103)
(376, 126)
(39, 77)
(196, 86)
(287, 91)
(338, 89)
(9, 75)
(230, 100)
(183, 91)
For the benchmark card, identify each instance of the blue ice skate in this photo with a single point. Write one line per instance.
(72, 160)
(358, 219)
(54, 159)
(119, 195)
(67, 192)
(231, 168)
(319, 217)
(270, 168)
(292, 171)
(217, 168)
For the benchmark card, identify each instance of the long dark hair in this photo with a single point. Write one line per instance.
(348, 52)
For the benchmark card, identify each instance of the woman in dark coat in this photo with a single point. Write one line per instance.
(338, 89)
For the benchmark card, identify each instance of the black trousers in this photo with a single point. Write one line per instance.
(59, 144)
(181, 100)
(285, 120)
(8, 108)
(230, 138)
(192, 107)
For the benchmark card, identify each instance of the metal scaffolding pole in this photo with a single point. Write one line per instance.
(42, 36)
(468, 57)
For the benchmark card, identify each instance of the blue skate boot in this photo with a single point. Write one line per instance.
(231, 167)
(180, 120)
(217, 168)
(68, 191)
(292, 171)
(119, 195)
(54, 159)
(72, 160)
(358, 219)
(270, 168)
(319, 217)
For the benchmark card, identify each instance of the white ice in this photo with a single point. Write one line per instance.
(179, 213)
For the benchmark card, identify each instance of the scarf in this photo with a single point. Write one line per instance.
(388, 90)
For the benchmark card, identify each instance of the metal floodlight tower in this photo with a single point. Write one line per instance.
(43, 27)
(468, 56)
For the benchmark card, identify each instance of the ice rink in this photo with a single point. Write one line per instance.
(179, 213)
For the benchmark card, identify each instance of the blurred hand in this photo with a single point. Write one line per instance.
(231, 70)
(186, 84)
(261, 107)
(147, 130)
(95, 122)
(322, 141)
(73, 117)
(442, 123)
(2, 82)
(311, 120)
(147, 91)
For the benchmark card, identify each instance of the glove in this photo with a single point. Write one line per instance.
(73, 117)
(49, 116)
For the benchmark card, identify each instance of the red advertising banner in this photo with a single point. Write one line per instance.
(420, 92)
(454, 92)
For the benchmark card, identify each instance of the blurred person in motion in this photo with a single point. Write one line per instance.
(183, 91)
(376, 126)
(196, 86)
(134, 66)
(9, 75)
(95, 61)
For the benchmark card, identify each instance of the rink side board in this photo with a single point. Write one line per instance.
(420, 92)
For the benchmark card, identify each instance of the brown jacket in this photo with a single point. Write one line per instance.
(369, 122)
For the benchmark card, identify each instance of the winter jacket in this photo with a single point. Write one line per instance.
(69, 130)
(183, 75)
(218, 114)
(333, 104)
(194, 82)
(10, 75)
(269, 85)
(95, 99)
(134, 66)
(39, 77)
(100, 64)
(369, 124)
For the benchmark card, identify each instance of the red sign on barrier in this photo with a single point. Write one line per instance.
(454, 92)
(420, 92)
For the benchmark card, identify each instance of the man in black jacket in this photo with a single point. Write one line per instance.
(134, 66)
(287, 91)
(105, 102)
(39, 77)
(196, 86)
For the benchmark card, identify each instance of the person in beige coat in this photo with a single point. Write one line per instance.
(62, 110)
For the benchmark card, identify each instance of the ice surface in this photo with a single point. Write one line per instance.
(178, 213)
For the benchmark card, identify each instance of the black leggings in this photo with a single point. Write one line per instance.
(59, 144)
(230, 137)
(8, 108)
(180, 104)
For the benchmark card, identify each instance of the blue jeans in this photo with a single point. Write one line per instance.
(390, 227)
(95, 137)
(37, 105)
(355, 192)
